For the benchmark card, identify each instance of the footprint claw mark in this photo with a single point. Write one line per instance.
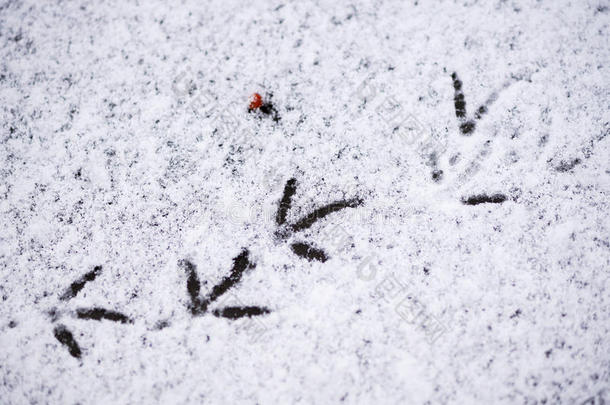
(308, 252)
(467, 126)
(65, 337)
(566, 166)
(309, 220)
(284, 230)
(437, 175)
(484, 199)
(240, 312)
(458, 97)
(286, 202)
(199, 306)
(61, 333)
(480, 112)
(193, 286)
(241, 263)
(97, 314)
(79, 284)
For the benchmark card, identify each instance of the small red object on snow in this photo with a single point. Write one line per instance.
(256, 101)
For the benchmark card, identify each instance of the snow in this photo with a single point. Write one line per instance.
(127, 144)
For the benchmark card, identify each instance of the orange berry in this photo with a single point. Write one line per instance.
(256, 101)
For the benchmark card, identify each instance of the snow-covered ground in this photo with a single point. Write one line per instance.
(419, 213)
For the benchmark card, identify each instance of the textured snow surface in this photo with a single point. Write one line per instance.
(472, 265)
